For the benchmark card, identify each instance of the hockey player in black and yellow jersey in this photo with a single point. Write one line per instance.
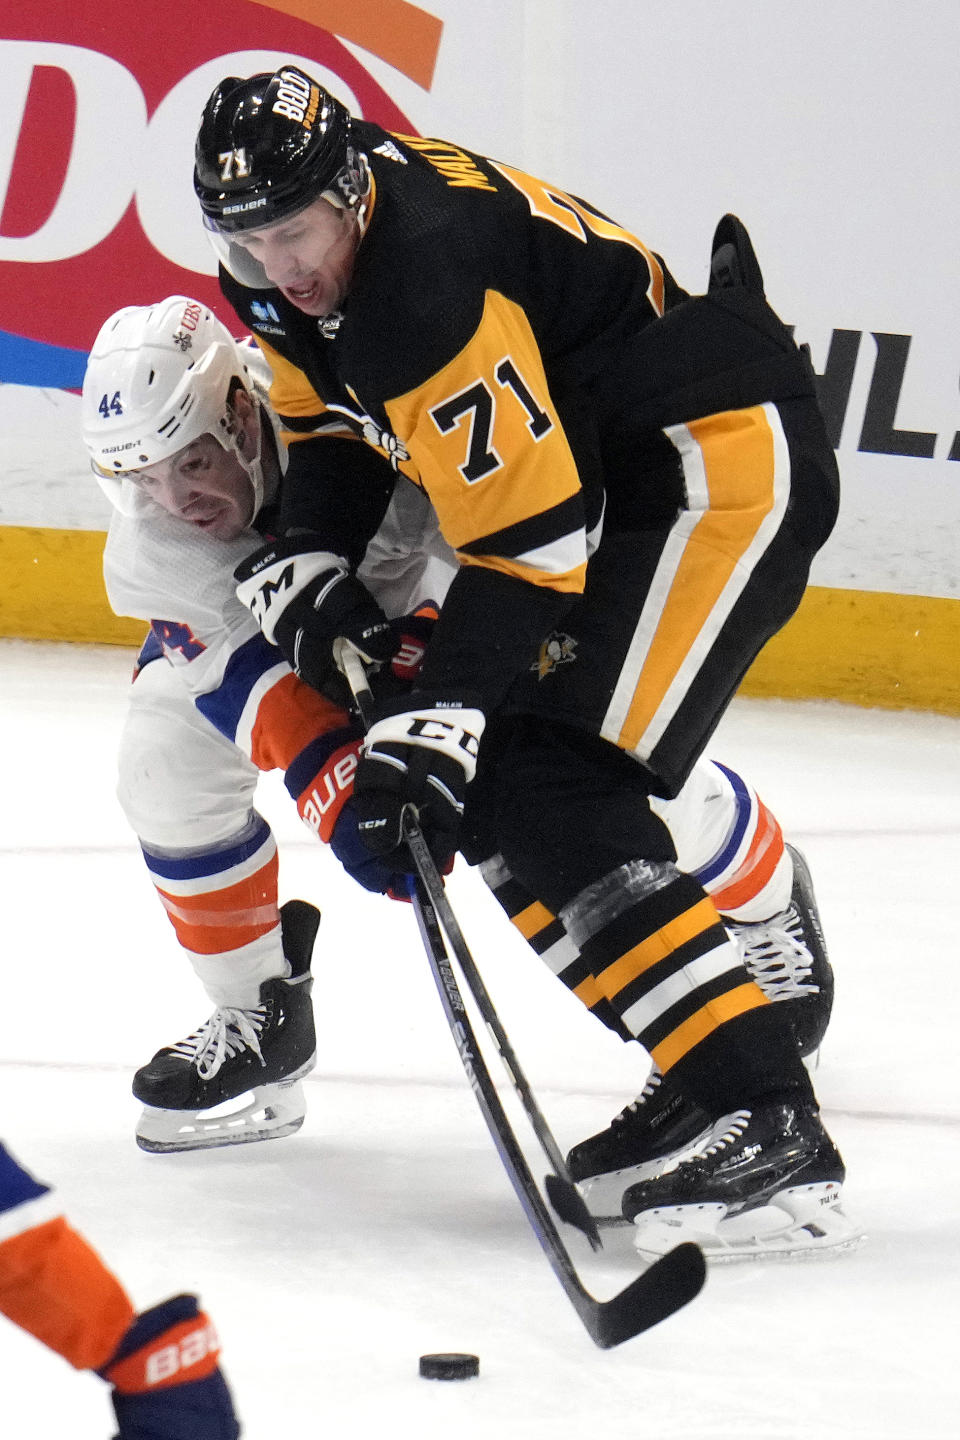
(634, 481)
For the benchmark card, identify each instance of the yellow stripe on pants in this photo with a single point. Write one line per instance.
(736, 474)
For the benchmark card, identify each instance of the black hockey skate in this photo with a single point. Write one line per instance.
(787, 956)
(257, 1055)
(650, 1134)
(768, 1181)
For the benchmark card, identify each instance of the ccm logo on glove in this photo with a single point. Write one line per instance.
(426, 728)
(424, 756)
(305, 600)
(273, 577)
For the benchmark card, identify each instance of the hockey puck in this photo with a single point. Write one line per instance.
(449, 1367)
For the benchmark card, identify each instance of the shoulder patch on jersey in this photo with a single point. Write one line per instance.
(390, 152)
(265, 318)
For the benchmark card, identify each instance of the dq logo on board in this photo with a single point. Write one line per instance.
(97, 125)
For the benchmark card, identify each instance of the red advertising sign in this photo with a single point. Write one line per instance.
(99, 109)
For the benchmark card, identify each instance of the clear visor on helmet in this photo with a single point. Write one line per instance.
(237, 258)
(124, 492)
(349, 190)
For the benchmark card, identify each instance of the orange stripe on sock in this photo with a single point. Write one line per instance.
(757, 869)
(589, 992)
(703, 1023)
(229, 917)
(657, 947)
(533, 919)
(53, 1285)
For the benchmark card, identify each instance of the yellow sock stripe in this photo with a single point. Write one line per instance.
(589, 992)
(533, 919)
(703, 1023)
(657, 947)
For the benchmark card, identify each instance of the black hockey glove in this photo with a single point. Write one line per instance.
(422, 751)
(304, 599)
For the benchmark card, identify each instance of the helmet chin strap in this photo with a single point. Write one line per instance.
(358, 199)
(254, 465)
(235, 434)
(253, 468)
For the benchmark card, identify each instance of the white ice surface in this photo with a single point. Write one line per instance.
(386, 1227)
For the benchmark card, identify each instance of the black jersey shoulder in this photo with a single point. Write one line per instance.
(429, 256)
(450, 225)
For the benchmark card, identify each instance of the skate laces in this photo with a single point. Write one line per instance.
(228, 1032)
(726, 1132)
(776, 955)
(631, 1111)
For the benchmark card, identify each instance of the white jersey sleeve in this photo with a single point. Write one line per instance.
(170, 574)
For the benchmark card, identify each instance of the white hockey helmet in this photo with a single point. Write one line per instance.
(158, 377)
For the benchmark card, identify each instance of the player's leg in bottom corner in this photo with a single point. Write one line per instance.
(163, 1365)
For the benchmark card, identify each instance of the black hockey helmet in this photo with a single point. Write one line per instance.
(268, 146)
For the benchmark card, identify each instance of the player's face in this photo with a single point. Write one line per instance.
(308, 257)
(204, 485)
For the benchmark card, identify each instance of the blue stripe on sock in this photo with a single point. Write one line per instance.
(719, 863)
(198, 864)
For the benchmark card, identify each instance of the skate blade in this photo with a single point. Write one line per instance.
(806, 1222)
(271, 1112)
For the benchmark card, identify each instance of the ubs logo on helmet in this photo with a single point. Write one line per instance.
(297, 98)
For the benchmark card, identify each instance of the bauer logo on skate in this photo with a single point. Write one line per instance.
(95, 174)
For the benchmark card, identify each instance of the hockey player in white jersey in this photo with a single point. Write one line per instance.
(186, 449)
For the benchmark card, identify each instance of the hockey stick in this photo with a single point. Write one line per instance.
(671, 1281)
(563, 1194)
